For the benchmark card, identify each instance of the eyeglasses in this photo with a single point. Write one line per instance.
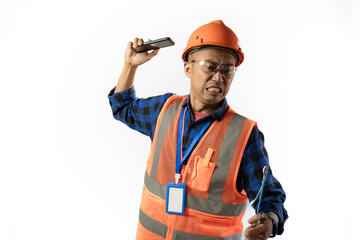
(211, 68)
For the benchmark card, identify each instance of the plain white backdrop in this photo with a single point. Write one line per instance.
(68, 170)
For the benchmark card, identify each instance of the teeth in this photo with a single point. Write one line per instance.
(213, 89)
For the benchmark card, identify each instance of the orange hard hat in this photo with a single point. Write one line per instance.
(214, 35)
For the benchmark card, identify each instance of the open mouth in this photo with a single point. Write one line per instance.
(214, 89)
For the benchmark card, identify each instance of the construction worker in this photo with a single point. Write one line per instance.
(205, 161)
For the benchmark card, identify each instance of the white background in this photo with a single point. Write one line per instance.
(68, 170)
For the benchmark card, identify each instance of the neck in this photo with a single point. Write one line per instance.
(200, 107)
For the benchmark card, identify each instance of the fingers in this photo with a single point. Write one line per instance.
(135, 42)
(259, 232)
(255, 233)
(138, 42)
(134, 58)
(253, 219)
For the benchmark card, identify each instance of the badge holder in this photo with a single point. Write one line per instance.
(175, 197)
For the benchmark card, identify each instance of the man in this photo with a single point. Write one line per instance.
(200, 146)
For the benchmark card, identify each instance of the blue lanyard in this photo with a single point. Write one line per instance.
(196, 139)
(265, 173)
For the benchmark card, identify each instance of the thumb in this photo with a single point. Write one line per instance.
(253, 219)
(153, 53)
(156, 51)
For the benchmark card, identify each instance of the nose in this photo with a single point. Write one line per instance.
(218, 76)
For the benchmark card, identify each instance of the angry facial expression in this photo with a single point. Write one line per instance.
(208, 90)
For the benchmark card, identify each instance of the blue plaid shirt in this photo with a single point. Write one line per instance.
(141, 115)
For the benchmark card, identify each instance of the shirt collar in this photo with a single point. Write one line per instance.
(218, 114)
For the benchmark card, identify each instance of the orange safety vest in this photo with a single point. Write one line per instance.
(213, 206)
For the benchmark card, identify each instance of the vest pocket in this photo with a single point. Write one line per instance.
(202, 172)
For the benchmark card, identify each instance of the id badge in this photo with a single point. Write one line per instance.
(175, 198)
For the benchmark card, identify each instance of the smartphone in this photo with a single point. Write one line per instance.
(154, 44)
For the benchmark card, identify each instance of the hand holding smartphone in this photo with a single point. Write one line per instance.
(154, 44)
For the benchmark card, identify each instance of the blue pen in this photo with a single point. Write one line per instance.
(265, 173)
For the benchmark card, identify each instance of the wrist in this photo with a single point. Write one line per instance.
(129, 66)
(275, 221)
(126, 79)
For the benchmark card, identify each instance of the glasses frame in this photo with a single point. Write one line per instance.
(201, 62)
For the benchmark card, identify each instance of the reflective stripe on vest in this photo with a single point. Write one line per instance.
(168, 117)
(197, 203)
(152, 225)
(161, 230)
(187, 236)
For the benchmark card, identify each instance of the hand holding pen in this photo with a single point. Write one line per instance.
(261, 226)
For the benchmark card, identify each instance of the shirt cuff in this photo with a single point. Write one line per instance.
(280, 212)
(120, 98)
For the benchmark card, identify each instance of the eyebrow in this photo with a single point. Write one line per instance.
(227, 64)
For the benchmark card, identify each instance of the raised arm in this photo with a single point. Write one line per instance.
(137, 113)
(132, 61)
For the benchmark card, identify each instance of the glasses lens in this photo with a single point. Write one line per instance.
(228, 71)
(211, 68)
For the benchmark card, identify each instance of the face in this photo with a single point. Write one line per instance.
(207, 90)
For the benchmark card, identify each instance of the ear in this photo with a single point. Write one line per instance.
(187, 69)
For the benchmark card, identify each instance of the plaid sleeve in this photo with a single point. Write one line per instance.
(254, 159)
(137, 113)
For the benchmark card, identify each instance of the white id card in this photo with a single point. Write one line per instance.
(175, 198)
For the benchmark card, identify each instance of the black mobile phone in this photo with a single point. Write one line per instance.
(154, 44)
